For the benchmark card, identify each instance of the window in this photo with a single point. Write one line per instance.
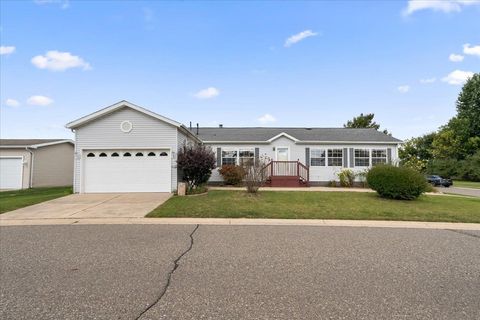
(379, 156)
(127, 154)
(362, 158)
(103, 154)
(91, 155)
(317, 157)
(229, 157)
(139, 154)
(115, 154)
(335, 157)
(151, 154)
(163, 154)
(247, 156)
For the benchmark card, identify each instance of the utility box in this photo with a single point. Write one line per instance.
(182, 189)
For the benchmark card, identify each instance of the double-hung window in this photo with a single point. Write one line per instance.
(335, 157)
(229, 156)
(247, 156)
(379, 156)
(317, 157)
(362, 157)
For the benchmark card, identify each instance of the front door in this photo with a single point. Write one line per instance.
(282, 154)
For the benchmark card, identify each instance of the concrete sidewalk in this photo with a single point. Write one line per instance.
(246, 222)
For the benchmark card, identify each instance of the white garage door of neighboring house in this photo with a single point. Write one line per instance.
(127, 171)
(11, 171)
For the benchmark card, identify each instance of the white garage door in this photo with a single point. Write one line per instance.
(127, 171)
(11, 173)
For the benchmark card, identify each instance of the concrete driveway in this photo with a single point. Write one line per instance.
(238, 272)
(98, 205)
(462, 191)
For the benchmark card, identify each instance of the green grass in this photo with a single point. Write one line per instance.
(11, 200)
(466, 184)
(320, 205)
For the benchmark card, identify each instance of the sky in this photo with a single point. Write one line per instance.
(280, 64)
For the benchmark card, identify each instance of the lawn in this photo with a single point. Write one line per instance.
(320, 205)
(466, 184)
(11, 200)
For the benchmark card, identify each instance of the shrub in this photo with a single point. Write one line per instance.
(347, 177)
(396, 182)
(196, 163)
(362, 177)
(470, 167)
(232, 174)
(332, 183)
(255, 175)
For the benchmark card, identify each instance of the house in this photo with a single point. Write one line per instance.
(31, 163)
(126, 148)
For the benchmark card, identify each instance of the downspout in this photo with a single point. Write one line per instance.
(32, 157)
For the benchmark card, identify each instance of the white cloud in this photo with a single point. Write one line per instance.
(12, 103)
(207, 93)
(7, 50)
(64, 4)
(299, 37)
(59, 61)
(403, 89)
(474, 51)
(428, 80)
(39, 101)
(437, 5)
(455, 57)
(266, 118)
(457, 77)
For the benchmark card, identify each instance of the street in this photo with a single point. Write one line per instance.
(238, 272)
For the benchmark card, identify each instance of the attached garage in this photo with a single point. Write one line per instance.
(11, 172)
(127, 170)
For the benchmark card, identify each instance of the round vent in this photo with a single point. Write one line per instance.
(126, 126)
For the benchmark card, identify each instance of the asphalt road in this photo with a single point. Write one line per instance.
(462, 191)
(238, 272)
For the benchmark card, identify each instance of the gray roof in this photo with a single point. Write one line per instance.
(26, 142)
(262, 134)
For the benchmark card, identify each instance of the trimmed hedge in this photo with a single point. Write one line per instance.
(400, 183)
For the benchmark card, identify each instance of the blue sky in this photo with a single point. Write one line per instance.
(233, 62)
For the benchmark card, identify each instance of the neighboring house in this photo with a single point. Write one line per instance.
(31, 163)
(126, 148)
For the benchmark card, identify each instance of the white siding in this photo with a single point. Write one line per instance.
(297, 152)
(105, 133)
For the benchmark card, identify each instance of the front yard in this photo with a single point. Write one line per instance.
(320, 205)
(11, 200)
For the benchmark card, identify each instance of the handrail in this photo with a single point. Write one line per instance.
(287, 168)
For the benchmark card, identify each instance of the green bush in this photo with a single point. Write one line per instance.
(346, 177)
(232, 174)
(400, 183)
(470, 168)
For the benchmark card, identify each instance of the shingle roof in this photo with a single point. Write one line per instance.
(262, 134)
(26, 142)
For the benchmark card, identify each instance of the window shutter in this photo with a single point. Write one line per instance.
(389, 155)
(352, 160)
(257, 154)
(345, 157)
(219, 157)
(307, 157)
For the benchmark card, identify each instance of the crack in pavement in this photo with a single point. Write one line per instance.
(464, 233)
(169, 276)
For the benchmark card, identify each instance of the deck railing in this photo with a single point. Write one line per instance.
(287, 169)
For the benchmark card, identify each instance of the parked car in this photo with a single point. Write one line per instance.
(439, 181)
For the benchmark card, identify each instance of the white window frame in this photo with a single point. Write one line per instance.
(328, 157)
(252, 150)
(229, 150)
(324, 157)
(368, 157)
(372, 157)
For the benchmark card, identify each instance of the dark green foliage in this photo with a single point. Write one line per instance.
(400, 183)
(447, 168)
(232, 174)
(470, 168)
(196, 163)
(468, 105)
(364, 121)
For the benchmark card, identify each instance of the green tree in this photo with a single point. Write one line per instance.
(468, 105)
(417, 152)
(364, 121)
